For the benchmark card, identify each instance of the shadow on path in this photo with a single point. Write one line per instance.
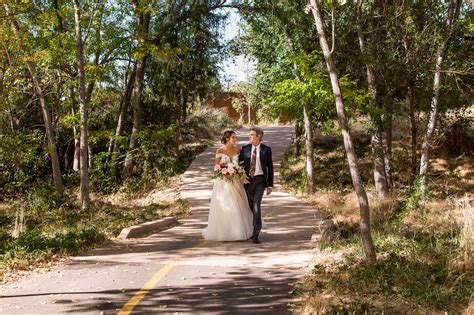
(218, 277)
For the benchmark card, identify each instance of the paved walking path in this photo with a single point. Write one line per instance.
(176, 271)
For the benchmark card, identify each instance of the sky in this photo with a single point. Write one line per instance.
(235, 69)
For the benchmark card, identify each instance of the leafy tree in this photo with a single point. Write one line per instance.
(40, 94)
(369, 249)
(156, 57)
(275, 39)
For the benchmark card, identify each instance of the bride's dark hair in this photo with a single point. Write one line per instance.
(226, 136)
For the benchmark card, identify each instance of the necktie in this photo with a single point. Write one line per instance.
(253, 161)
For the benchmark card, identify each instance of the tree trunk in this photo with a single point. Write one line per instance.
(124, 104)
(178, 121)
(296, 141)
(309, 141)
(389, 139)
(182, 112)
(58, 183)
(309, 150)
(413, 131)
(432, 120)
(249, 107)
(433, 115)
(350, 152)
(89, 151)
(184, 108)
(76, 135)
(97, 49)
(61, 28)
(11, 120)
(77, 151)
(143, 23)
(380, 177)
(137, 101)
(177, 137)
(84, 163)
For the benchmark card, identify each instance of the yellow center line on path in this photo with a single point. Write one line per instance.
(128, 308)
(133, 302)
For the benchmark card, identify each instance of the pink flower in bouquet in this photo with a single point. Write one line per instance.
(228, 171)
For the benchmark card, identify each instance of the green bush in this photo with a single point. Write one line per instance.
(33, 245)
(44, 205)
(103, 175)
(296, 179)
(22, 163)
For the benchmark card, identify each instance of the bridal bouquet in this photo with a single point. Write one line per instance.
(228, 171)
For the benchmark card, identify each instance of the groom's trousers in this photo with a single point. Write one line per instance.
(255, 190)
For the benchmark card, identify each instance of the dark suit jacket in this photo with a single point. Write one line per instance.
(265, 161)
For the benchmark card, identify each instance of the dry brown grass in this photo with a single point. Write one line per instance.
(465, 212)
(326, 304)
(451, 216)
(432, 241)
(344, 207)
(163, 193)
(470, 309)
(327, 201)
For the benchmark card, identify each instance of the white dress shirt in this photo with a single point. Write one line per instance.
(258, 165)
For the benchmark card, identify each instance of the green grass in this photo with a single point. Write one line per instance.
(66, 229)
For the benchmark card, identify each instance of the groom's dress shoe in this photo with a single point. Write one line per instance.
(252, 237)
(256, 240)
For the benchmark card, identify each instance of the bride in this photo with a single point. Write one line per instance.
(230, 218)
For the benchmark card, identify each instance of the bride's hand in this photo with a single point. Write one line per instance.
(245, 180)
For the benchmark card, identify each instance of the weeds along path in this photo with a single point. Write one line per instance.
(175, 270)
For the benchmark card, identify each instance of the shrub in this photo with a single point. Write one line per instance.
(22, 163)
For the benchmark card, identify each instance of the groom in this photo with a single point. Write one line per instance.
(258, 164)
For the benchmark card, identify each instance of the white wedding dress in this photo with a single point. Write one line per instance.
(230, 218)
